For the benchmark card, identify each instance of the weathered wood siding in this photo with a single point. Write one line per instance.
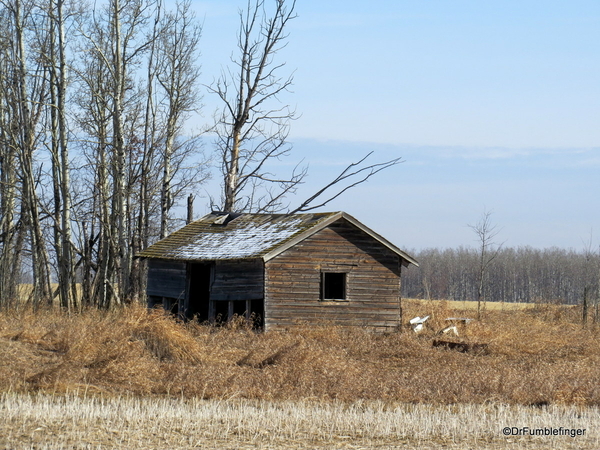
(292, 281)
(166, 278)
(238, 280)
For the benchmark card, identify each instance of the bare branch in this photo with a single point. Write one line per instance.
(352, 171)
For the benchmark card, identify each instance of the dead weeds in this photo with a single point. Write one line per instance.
(540, 355)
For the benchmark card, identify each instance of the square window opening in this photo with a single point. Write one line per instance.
(333, 286)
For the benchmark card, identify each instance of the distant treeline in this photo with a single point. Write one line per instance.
(521, 274)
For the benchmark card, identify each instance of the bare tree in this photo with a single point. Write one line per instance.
(486, 232)
(6, 175)
(26, 99)
(177, 73)
(592, 276)
(10, 234)
(57, 67)
(252, 128)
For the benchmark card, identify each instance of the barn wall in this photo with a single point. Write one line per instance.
(238, 280)
(293, 280)
(166, 278)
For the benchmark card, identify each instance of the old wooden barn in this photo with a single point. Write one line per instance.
(282, 269)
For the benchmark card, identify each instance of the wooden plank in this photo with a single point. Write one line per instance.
(238, 280)
(166, 278)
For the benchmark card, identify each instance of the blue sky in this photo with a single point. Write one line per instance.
(492, 105)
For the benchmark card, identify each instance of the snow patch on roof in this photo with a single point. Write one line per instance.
(246, 240)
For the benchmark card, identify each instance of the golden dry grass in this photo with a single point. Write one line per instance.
(535, 356)
(468, 305)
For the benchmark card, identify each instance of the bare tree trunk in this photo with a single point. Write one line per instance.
(118, 165)
(233, 172)
(41, 275)
(10, 251)
(8, 233)
(141, 238)
(67, 285)
(54, 153)
(60, 157)
(177, 74)
(165, 194)
(105, 266)
(486, 232)
(584, 312)
(597, 299)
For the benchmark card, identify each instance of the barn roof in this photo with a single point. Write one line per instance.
(222, 236)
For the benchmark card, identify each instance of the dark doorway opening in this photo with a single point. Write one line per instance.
(199, 292)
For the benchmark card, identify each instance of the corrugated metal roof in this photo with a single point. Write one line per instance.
(220, 236)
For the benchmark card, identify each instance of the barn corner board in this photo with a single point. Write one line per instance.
(280, 270)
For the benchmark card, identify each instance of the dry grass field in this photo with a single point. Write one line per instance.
(134, 378)
(469, 306)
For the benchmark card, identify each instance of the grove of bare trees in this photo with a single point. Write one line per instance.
(522, 274)
(93, 153)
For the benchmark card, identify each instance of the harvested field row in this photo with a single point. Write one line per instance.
(73, 421)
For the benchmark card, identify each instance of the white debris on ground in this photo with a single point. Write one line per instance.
(449, 330)
(417, 323)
